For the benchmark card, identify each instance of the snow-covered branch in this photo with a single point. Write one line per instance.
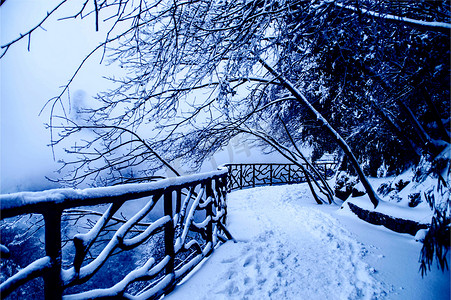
(83, 242)
(31, 271)
(428, 25)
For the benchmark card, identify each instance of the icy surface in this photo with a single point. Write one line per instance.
(290, 248)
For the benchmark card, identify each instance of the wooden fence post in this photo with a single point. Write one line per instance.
(52, 278)
(209, 211)
(241, 176)
(222, 196)
(169, 238)
(270, 174)
(253, 175)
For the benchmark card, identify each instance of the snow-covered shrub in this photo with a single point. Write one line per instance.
(358, 190)
(392, 188)
(395, 190)
(414, 199)
(385, 188)
(401, 184)
(436, 243)
(422, 170)
(344, 185)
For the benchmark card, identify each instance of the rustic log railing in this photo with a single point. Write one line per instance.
(258, 174)
(180, 219)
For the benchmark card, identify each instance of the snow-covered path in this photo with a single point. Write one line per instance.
(287, 248)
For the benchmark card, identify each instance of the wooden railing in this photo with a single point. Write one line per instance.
(162, 229)
(258, 174)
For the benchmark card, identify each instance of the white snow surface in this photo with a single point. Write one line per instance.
(290, 248)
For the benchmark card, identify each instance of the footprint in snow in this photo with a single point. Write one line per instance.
(228, 260)
(248, 261)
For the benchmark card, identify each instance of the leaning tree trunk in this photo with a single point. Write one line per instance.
(338, 138)
(307, 173)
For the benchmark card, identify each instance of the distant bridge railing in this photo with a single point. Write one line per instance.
(259, 174)
(147, 236)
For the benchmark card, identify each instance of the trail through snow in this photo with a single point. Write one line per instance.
(284, 251)
(290, 248)
(293, 253)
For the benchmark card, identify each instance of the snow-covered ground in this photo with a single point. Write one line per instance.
(290, 248)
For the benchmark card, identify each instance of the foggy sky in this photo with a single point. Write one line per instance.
(29, 79)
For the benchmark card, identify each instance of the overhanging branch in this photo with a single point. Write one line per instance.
(428, 25)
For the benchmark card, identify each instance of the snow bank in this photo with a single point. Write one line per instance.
(395, 198)
(421, 214)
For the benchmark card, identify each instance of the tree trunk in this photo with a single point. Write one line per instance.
(341, 142)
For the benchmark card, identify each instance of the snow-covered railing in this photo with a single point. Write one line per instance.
(258, 174)
(168, 227)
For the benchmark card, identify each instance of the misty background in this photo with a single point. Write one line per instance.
(30, 78)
